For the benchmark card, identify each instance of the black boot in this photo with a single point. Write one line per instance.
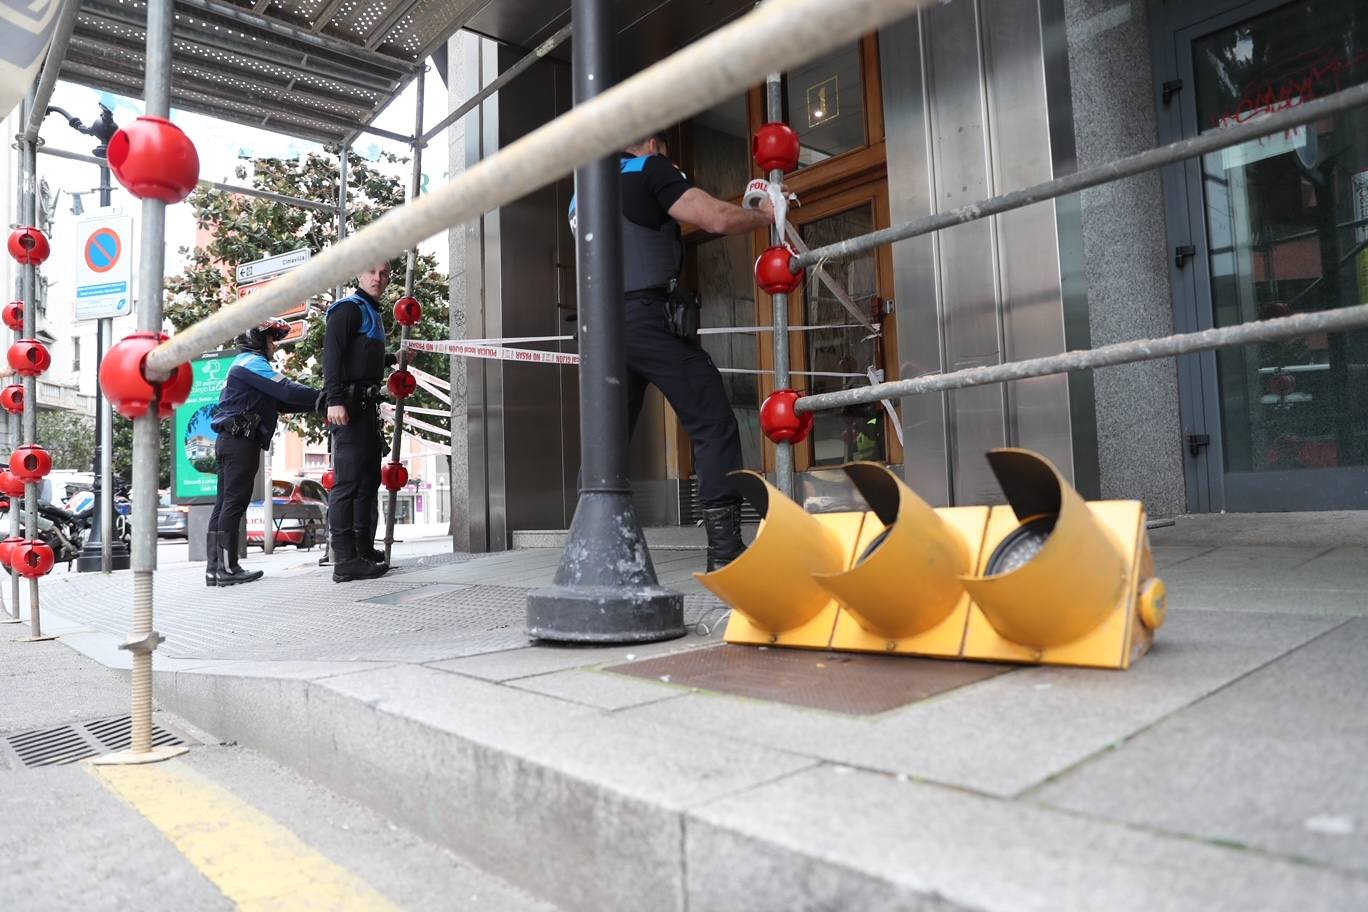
(232, 573)
(365, 547)
(723, 525)
(356, 568)
(213, 559)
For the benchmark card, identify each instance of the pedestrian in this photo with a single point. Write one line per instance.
(353, 366)
(253, 398)
(661, 336)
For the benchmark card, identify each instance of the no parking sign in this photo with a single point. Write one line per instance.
(104, 267)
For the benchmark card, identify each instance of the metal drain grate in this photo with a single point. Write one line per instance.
(76, 742)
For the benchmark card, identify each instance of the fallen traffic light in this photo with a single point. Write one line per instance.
(1064, 581)
(903, 593)
(774, 598)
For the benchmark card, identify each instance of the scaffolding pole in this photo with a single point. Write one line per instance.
(1149, 160)
(783, 450)
(410, 282)
(144, 639)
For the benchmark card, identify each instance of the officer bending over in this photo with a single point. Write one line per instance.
(252, 399)
(354, 362)
(656, 197)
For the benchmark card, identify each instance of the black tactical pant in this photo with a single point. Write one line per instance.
(352, 505)
(239, 460)
(686, 376)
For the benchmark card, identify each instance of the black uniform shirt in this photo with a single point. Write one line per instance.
(650, 186)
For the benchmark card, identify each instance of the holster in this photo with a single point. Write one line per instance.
(683, 312)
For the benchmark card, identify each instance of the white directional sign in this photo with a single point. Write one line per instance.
(266, 267)
(104, 267)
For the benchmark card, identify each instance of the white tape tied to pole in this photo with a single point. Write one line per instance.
(761, 189)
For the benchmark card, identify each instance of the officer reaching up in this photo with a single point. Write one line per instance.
(353, 366)
(656, 197)
(252, 399)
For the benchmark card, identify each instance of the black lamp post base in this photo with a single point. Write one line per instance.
(605, 589)
(89, 562)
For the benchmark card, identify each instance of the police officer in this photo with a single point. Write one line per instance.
(656, 197)
(253, 397)
(354, 362)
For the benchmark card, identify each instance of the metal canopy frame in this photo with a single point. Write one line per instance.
(321, 70)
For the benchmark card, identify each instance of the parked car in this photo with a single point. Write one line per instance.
(172, 520)
(300, 511)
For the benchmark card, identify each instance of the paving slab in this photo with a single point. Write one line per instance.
(1276, 761)
(536, 660)
(596, 688)
(832, 838)
(1006, 734)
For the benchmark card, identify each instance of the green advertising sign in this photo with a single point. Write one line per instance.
(194, 470)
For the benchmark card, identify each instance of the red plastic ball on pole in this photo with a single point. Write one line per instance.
(407, 311)
(29, 246)
(124, 383)
(775, 147)
(32, 559)
(29, 357)
(780, 421)
(10, 485)
(401, 384)
(12, 399)
(772, 272)
(393, 476)
(154, 159)
(328, 480)
(30, 463)
(7, 547)
(14, 315)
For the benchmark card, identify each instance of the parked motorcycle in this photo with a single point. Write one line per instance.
(60, 529)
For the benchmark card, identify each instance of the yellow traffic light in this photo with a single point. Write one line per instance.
(770, 587)
(903, 592)
(1061, 581)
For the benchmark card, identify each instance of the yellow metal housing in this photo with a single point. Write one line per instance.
(770, 587)
(1075, 601)
(903, 593)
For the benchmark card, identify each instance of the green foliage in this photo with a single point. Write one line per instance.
(69, 437)
(247, 228)
(123, 451)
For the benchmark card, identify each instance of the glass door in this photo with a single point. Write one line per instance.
(1281, 227)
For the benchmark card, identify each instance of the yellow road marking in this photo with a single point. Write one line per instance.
(253, 860)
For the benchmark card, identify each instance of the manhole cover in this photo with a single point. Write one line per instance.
(851, 683)
(75, 742)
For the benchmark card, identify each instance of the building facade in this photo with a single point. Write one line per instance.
(970, 99)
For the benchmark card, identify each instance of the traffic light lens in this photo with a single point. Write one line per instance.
(1020, 548)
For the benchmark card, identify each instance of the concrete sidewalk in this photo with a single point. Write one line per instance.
(1225, 771)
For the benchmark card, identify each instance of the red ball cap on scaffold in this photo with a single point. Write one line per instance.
(125, 384)
(775, 147)
(32, 559)
(12, 399)
(401, 384)
(393, 476)
(772, 271)
(407, 311)
(30, 463)
(780, 422)
(154, 159)
(14, 315)
(328, 480)
(29, 246)
(29, 357)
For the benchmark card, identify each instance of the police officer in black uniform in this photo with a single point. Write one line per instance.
(354, 362)
(656, 197)
(253, 397)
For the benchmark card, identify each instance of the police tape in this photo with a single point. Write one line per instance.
(464, 349)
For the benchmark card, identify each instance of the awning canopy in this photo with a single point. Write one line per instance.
(316, 69)
(323, 69)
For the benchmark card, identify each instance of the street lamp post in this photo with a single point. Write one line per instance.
(101, 551)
